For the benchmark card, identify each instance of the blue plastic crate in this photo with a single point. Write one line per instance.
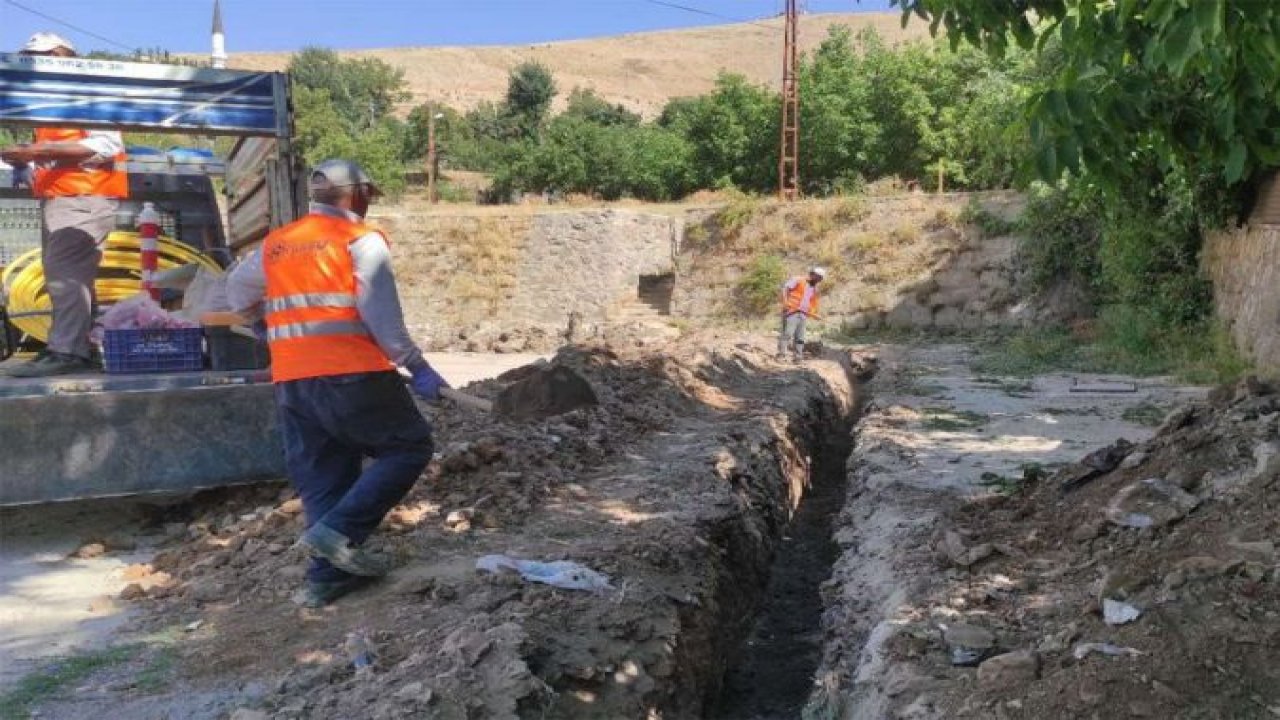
(157, 350)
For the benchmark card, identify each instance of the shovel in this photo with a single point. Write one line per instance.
(465, 400)
(535, 392)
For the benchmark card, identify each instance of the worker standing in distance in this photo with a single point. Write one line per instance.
(336, 333)
(79, 177)
(799, 303)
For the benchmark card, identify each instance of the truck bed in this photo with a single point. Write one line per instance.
(98, 435)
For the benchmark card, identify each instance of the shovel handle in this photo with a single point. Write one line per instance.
(466, 400)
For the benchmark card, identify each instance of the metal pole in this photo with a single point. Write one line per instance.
(789, 151)
(432, 161)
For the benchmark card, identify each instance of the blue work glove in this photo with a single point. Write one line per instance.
(426, 381)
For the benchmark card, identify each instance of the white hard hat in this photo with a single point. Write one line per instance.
(820, 272)
(47, 42)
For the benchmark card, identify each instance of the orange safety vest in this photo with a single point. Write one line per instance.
(795, 296)
(313, 326)
(105, 181)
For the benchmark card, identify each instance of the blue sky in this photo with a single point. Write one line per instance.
(183, 25)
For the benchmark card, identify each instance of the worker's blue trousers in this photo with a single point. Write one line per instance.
(330, 425)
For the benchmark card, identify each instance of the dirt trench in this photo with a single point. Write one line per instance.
(702, 486)
(773, 674)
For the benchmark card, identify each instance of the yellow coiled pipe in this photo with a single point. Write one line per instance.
(119, 277)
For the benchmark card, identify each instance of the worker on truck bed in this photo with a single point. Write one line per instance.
(799, 303)
(336, 334)
(79, 177)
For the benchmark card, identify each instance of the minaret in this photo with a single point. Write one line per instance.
(219, 40)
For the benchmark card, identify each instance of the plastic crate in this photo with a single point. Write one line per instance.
(229, 351)
(157, 350)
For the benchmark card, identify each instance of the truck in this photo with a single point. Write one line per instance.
(99, 435)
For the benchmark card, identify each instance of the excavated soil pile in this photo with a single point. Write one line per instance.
(676, 486)
(1141, 582)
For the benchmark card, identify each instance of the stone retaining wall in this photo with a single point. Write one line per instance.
(899, 262)
(1244, 267)
(512, 282)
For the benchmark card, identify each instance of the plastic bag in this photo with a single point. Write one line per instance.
(140, 312)
(562, 573)
(178, 278)
(206, 293)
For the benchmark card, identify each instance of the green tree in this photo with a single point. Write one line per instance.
(322, 133)
(837, 129)
(983, 140)
(575, 155)
(451, 128)
(679, 112)
(363, 91)
(1193, 82)
(589, 106)
(734, 133)
(530, 89)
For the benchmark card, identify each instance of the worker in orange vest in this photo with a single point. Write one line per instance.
(799, 303)
(79, 177)
(336, 333)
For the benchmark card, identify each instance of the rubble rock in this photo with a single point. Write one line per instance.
(1089, 530)
(1133, 461)
(247, 714)
(1009, 670)
(462, 520)
(1094, 464)
(1151, 503)
(413, 691)
(970, 636)
(1263, 551)
(208, 590)
(133, 591)
(90, 550)
(968, 644)
(953, 548)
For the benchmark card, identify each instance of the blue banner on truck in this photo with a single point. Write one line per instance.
(82, 92)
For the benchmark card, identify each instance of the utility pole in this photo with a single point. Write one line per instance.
(433, 160)
(789, 154)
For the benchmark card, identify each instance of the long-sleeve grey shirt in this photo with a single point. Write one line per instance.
(377, 299)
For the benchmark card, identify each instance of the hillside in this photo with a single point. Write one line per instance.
(641, 71)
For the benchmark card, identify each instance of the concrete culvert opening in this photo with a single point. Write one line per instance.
(656, 290)
(772, 674)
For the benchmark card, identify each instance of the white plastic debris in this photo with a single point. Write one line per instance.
(1115, 612)
(1084, 649)
(561, 573)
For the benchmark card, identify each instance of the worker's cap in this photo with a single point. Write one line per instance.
(820, 272)
(47, 42)
(333, 174)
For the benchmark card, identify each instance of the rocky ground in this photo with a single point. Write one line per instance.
(984, 577)
(677, 487)
(1001, 553)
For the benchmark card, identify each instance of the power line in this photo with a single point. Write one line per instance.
(66, 24)
(708, 13)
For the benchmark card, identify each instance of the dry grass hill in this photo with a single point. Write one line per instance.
(641, 71)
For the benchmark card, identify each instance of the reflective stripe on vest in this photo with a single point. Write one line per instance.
(321, 328)
(313, 325)
(108, 180)
(311, 300)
